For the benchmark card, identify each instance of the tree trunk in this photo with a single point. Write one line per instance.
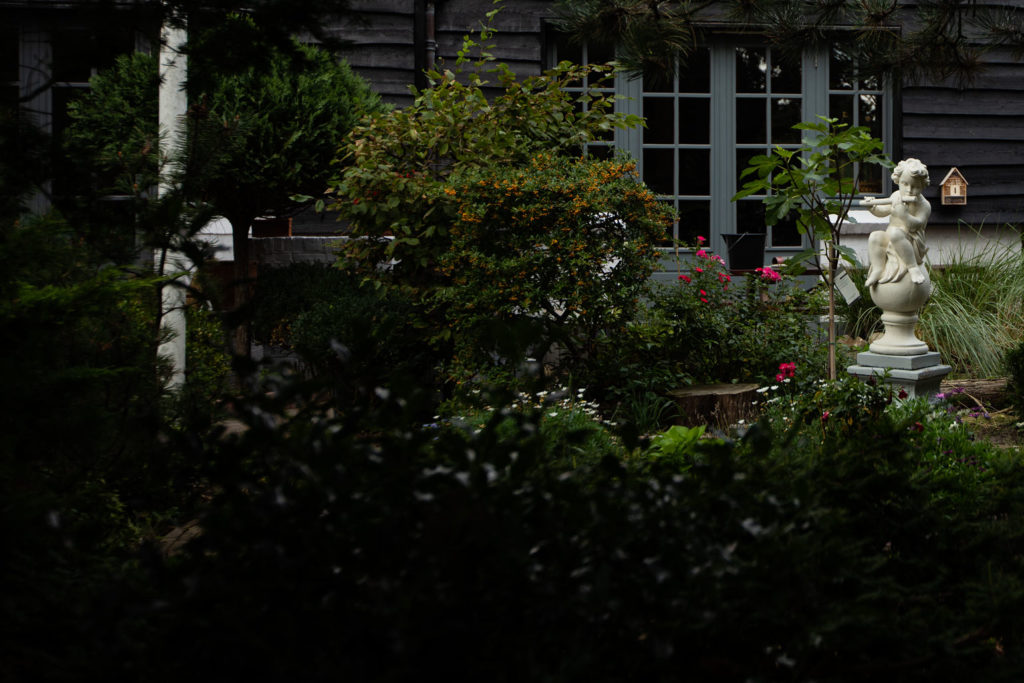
(833, 263)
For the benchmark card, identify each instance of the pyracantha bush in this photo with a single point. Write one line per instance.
(563, 245)
(395, 193)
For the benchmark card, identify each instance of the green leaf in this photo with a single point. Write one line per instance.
(849, 254)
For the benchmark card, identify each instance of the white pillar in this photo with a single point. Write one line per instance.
(173, 106)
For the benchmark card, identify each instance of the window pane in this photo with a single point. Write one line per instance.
(694, 220)
(565, 50)
(62, 96)
(785, 74)
(743, 157)
(695, 171)
(666, 240)
(871, 114)
(694, 120)
(869, 83)
(8, 54)
(841, 107)
(658, 170)
(786, 113)
(751, 127)
(750, 215)
(601, 151)
(73, 56)
(871, 176)
(657, 79)
(660, 120)
(840, 70)
(695, 74)
(599, 54)
(785, 232)
(751, 67)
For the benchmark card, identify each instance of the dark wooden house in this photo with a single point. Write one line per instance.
(738, 97)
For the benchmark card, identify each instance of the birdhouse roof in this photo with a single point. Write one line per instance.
(954, 172)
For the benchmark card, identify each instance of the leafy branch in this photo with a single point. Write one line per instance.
(818, 182)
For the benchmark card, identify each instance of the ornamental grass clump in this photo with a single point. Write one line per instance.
(975, 315)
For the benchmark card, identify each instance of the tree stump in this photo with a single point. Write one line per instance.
(991, 393)
(715, 405)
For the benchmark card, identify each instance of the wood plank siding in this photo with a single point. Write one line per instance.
(978, 128)
(382, 46)
(518, 41)
(387, 46)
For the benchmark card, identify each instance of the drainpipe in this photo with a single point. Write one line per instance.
(431, 41)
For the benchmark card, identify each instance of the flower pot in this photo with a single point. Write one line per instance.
(745, 250)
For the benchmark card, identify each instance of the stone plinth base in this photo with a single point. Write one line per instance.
(918, 375)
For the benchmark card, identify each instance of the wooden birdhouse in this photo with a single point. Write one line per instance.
(954, 187)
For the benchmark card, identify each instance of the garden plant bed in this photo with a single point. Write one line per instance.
(991, 416)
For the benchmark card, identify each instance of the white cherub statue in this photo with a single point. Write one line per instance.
(900, 248)
(895, 253)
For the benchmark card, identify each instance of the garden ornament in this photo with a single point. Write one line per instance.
(897, 279)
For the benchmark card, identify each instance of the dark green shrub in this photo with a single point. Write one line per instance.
(88, 465)
(1015, 370)
(562, 245)
(708, 328)
(458, 554)
(348, 336)
(438, 164)
(113, 139)
(282, 294)
(208, 374)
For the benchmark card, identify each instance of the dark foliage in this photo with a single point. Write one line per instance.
(1015, 369)
(457, 555)
(349, 336)
(24, 162)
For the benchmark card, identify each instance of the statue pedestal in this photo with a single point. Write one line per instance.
(918, 375)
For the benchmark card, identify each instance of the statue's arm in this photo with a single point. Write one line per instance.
(877, 207)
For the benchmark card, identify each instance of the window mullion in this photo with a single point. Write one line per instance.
(629, 92)
(723, 142)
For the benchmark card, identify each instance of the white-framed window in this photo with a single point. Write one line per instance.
(736, 98)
